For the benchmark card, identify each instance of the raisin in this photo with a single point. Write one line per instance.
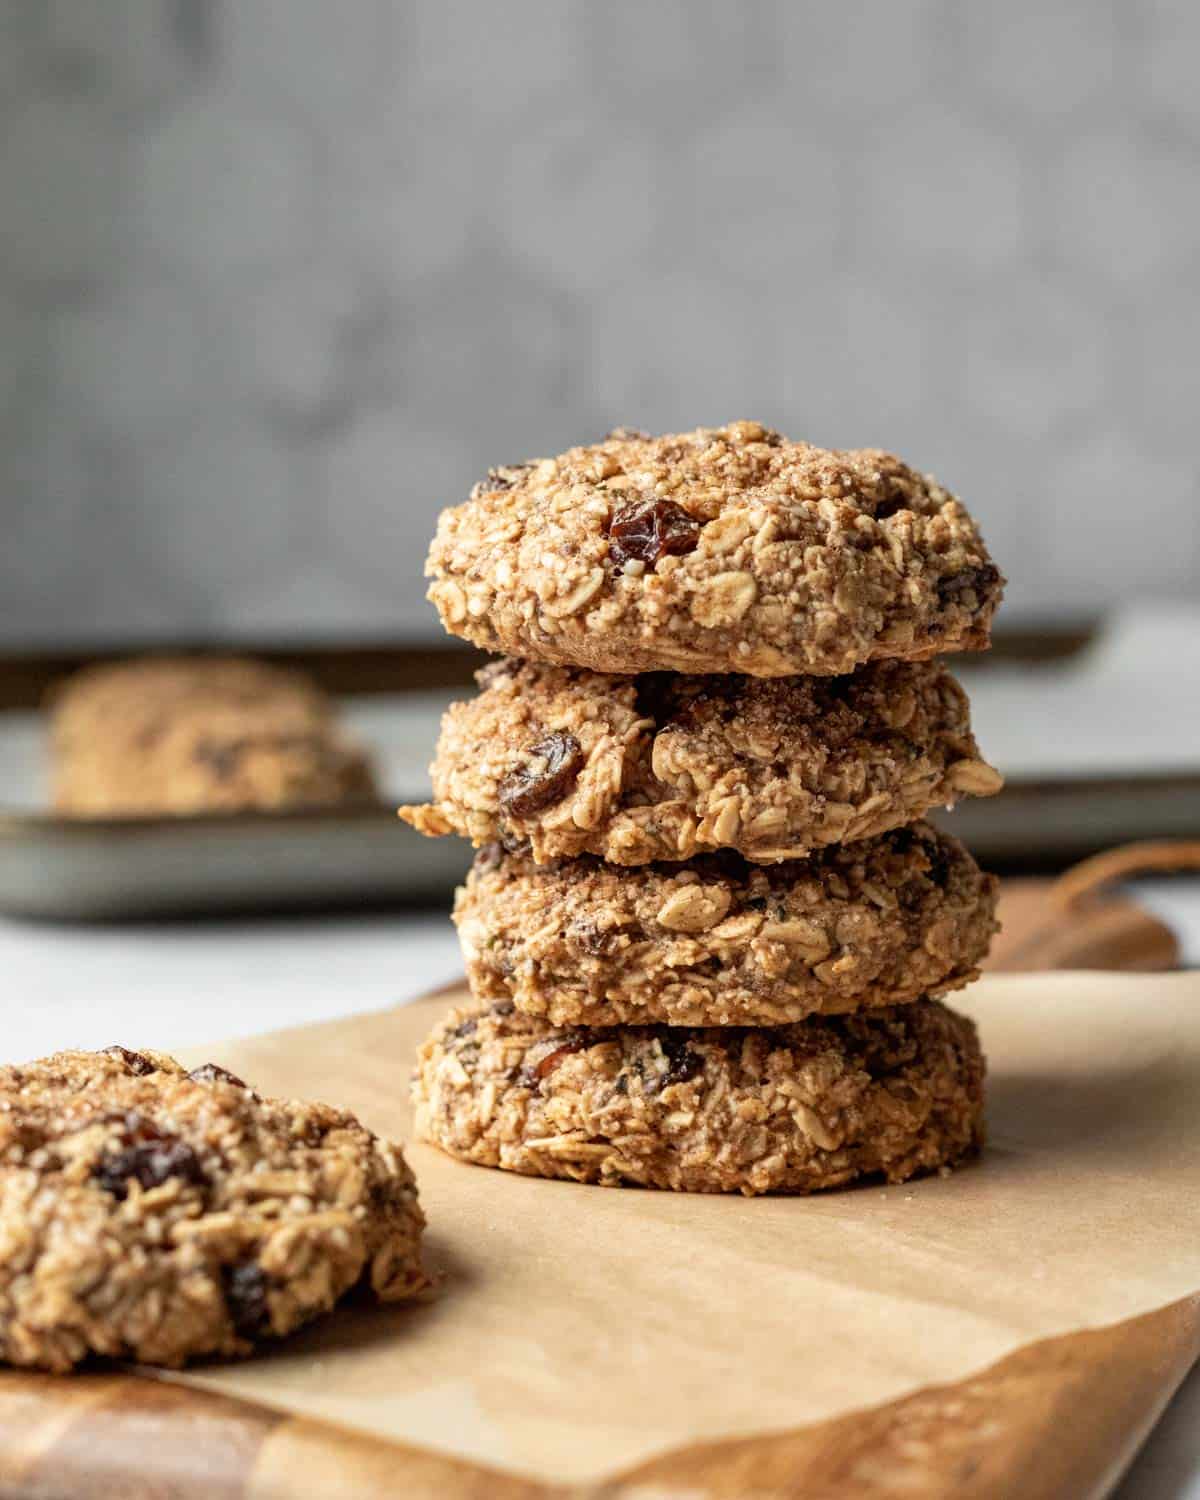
(503, 477)
(465, 1028)
(214, 1073)
(979, 581)
(150, 1155)
(221, 760)
(585, 935)
(488, 858)
(572, 1041)
(650, 529)
(503, 1008)
(682, 1062)
(246, 1297)
(134, 1061)
(938, 857)
(27, 1135)
(892, 498)
(554, 763)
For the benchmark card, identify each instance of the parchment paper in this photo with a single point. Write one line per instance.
(580, 1329)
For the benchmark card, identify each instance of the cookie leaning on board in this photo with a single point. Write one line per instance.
(152, 1214)
(699, 782)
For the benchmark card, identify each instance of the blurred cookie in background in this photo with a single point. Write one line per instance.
(176, 735)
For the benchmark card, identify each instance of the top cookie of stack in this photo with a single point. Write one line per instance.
(720, 550)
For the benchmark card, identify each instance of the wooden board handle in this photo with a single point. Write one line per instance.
(1057, 1420)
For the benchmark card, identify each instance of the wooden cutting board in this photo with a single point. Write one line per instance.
(1099, 930)
(1057, 1420)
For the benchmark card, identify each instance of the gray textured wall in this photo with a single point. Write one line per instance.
(278, 278)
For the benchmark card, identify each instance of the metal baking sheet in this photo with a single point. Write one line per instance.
(102, 869)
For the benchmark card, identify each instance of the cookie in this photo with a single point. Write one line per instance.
(173, 736)
(566, 762)
(727, 549)
(719, 942)
(885, 1093)
(151, 1214)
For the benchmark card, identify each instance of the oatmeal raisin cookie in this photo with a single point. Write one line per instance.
(726, 549)
(719, 942)
(189, 735)
(564, 762)
(151, 1214)
(886, 1093)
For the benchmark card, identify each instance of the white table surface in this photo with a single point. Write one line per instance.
(165, 986)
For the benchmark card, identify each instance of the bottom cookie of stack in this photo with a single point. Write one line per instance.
(889, 1093)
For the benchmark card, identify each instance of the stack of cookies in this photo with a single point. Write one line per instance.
(707, 923)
